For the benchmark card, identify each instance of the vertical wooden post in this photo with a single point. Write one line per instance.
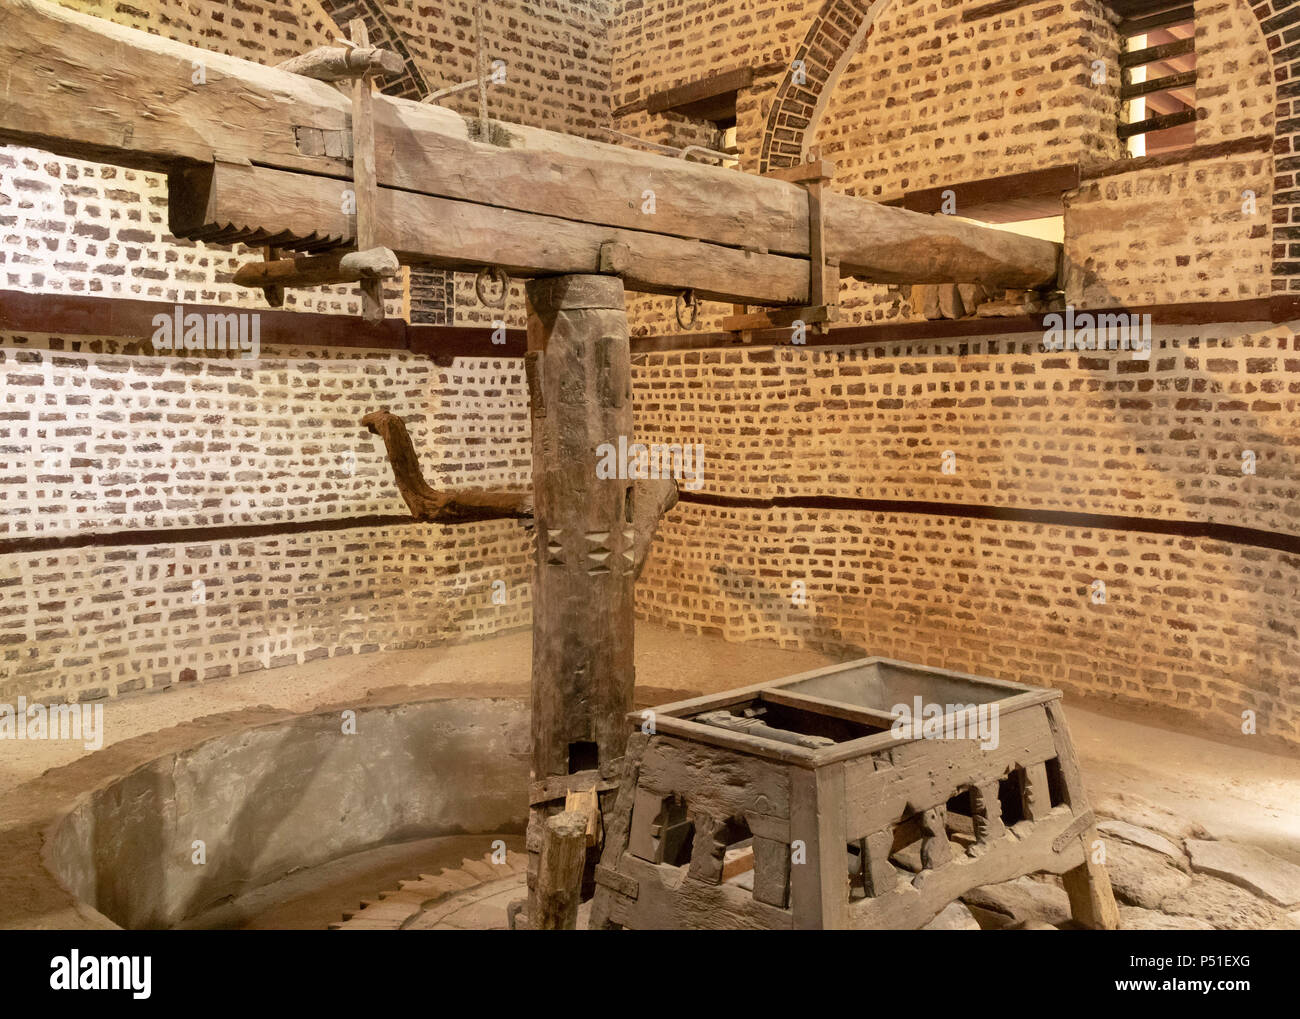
(364, 185)
(1092, 901)
(579, 372)
(559, 878)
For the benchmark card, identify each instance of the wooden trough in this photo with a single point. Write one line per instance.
(792, 804)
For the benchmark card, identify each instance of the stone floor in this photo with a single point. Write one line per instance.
(1189, 813)
(1166, 872)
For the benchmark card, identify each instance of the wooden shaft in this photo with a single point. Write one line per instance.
(364, 179)
(344, 63)
(449, 506)
(559, 876)
(579, 373)
(319, 270)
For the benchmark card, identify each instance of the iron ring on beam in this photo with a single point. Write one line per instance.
(480, 286)
(687, 301)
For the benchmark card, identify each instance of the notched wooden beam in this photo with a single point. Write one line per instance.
(452, 506)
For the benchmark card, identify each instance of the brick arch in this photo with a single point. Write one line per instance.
(1278, 23)
(831, 41)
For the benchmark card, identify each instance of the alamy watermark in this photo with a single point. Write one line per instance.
(37, 721)
(1103, 330)
(683, 462)
(75, 972)
(233, 332)
(920, 720)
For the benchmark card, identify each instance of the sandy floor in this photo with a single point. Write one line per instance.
(1234, 792)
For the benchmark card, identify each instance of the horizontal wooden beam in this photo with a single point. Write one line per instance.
(1169, 81)
(344, 63)
(127, 319)
(1145, 24)
(1051, 181)
(1151, 54)
(685, 96)
(1253, 144)
(148, 113)
(236, 199)
(1157, 123)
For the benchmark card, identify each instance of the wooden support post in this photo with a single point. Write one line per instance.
(580, 381)
(364, 179)
(1092, 901)
(819, 877)
(274, 293)
(559, 878)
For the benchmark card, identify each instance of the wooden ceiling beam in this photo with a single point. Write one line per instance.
(81, 86)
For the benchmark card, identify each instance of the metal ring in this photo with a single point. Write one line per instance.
(687, 300)
(480, 285)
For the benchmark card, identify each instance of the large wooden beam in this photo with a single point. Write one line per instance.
(228, 203)
(82, 86)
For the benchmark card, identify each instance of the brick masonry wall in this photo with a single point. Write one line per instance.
(1234, 75)
(93, 441)
(932, 100)
(1189, 233)
(1201, 629)
(102, 622)
(1072, 432)
(96, 440)
(1196, 626)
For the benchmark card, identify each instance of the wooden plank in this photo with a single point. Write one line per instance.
(1169, 81)
(819, 886)
(739, 785)
(698, 91)
(836, 709)
(245, 112)
(1130, 27)
(1157, 123)
(1177, 48)
(926, 773)
(1049, 182)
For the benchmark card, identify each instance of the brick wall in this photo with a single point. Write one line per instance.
(931, 99)
(1191, 233)
(1202, 630)
(1193, 625)
(99, 443)
(96, 446)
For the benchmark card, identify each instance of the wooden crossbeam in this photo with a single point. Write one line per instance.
(1169, 81)
(149, 113)
(229, 200)
(1177, 48)
(344, 63)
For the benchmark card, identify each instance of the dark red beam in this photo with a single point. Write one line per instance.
(128, 318)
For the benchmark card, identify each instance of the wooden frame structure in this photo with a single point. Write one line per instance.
(822, 817)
